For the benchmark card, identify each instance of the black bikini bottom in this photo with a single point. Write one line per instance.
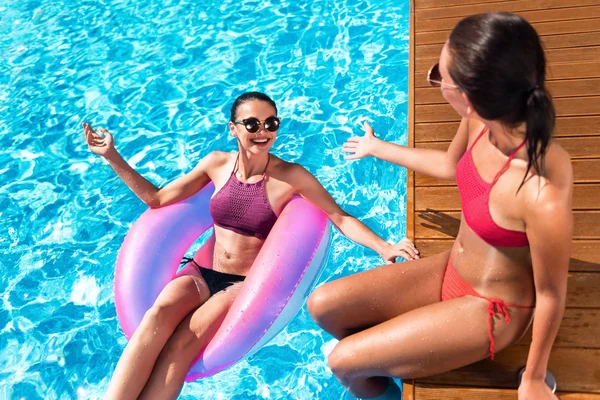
(216, 281)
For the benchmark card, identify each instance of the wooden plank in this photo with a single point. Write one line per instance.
(577, 396)
(581, 147)
(565, 127)
(577, 147)
(571, 40)
(573, 70)
(408, 390)
(583, 290)
(440, 198)
(558, 89)
(569, 70)
(423, 4)
(580, 327)
(446, 198)
(571, 55)
(410, 175)
(584, 171)
(561, 41)
(444, 225)
(565, 107)
(585, 254)
(544, 29)
(558, 27)
(436, 392)
(431, 247)
(552, 42)
(430, 54)
(574, 369)
(542, 15)
(449, 11)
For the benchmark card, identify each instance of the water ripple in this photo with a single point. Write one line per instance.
(161, 75)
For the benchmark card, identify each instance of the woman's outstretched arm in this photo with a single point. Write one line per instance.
(154, 197)
(437, 163)
(307, 186)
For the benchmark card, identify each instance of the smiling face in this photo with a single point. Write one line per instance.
(261, 140)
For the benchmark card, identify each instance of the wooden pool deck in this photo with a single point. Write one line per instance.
(570, 30)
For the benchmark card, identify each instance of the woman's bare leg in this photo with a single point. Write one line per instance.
(359, 301)
(426, 341)
(179, 298)
(190, 338)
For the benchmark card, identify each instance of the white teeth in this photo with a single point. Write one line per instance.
(260, 140)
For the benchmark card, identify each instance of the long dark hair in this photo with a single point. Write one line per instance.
(249, 96)
(499, 62)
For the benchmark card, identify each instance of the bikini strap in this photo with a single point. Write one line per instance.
(507, 163)
(478, 137)
(236, 164)
(267, 166)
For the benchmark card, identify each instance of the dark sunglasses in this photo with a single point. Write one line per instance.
(435, 78)
(252, 124)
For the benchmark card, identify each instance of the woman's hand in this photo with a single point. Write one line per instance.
(102, 145)
(404, 248)
(535, 389)
(359, 147)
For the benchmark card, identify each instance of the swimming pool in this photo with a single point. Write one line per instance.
(161, 76)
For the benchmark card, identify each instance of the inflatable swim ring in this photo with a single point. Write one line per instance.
(284, 272)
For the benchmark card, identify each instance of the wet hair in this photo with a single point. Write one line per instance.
(250, 96)
(498, 61)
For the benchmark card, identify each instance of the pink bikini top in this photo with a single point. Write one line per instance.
(475, 198)
(243, 207)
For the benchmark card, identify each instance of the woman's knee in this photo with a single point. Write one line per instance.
(177, 300)
(341, 363)
(319, 303)
(161, 314)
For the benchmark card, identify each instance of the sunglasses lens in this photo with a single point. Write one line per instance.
(434, 76)
(251, 125)
(272, 124)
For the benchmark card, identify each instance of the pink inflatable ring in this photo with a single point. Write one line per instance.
(279, 281)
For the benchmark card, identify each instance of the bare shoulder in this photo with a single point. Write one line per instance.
(553, 192)
(284, 167)
(558, 165)
(289, 172)
(473, 128)
(216, 159)
(220, 156)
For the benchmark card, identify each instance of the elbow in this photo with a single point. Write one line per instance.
(450, 172)
(450, 175)
(153, 202)
(338, 219)
(556, 294)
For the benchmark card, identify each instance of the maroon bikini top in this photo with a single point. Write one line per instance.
(243, 207)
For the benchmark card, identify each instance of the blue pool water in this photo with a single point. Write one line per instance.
(161, 76)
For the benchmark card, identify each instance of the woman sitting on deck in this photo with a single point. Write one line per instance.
(512, 250)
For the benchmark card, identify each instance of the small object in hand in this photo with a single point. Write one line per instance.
(550, 380)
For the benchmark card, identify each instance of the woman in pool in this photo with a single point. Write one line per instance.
(190, 309)
(512, 250)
